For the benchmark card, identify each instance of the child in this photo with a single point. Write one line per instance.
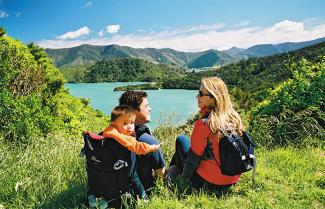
(121, 129)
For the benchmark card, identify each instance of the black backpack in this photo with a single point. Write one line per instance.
(236, 154)
(108, 166)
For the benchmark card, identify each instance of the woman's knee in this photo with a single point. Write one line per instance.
(182, 141)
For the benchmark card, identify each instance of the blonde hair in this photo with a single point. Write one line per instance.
(223, 119)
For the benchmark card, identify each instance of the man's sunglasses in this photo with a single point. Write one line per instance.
(201, 94)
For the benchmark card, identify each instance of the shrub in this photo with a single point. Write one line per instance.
(294, 111)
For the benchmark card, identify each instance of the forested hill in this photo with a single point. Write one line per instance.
(255, 74)
(89, 54)
(131, 69)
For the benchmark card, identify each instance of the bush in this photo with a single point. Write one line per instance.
(33, 102)
(294, 111)
(24, 118)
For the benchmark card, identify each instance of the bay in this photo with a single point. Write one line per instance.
(175, 105)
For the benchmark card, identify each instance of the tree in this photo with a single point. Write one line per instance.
(2, 31)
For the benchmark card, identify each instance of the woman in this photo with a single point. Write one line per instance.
(219, 118)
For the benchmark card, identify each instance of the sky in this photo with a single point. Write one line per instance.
(183, 25)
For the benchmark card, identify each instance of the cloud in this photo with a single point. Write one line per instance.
(88, 4)
(203, 37)
(112, 28)
(287, 26)
(3, 14)
(75, 34)
(101, 33)
(242, 23)
(18, 14)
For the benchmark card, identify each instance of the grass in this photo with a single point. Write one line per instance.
(285, 178)
(50, 174)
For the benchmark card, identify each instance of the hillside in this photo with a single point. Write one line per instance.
(255, 74)
(89, 54)
(211, 58)
(130, 69)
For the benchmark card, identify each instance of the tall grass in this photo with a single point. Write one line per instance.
(299, 129)
(46, 174)
(50, 174)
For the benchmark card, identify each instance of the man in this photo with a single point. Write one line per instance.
(151, 162)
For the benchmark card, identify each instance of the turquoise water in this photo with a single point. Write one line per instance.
(179, 103)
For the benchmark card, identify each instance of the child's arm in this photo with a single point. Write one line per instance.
(139, 148)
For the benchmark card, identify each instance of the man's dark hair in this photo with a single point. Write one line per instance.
(133, 99)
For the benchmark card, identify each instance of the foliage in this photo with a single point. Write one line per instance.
(74, 74)
(24, 91)
(24, 118)
(33, 102)
(146, 86)
(75, 115)
(130, 69)
(53, 79)
(294, 110)
(2, 31)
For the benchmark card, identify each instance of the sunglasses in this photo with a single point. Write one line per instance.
(201, 94)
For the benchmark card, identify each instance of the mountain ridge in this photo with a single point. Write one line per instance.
(90, 54)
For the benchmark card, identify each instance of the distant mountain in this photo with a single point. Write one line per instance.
(89, 54)
(211, 58)
(263, 50)
(234, 51)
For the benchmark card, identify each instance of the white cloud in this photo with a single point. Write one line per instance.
(203, 37)
(101, 33)
(88, 4)
(112, 28)
(287, 26)
(18, 14)
(75, 34)
(242, 23)
(3, 14)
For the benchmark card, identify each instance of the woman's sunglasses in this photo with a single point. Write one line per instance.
(201, 94)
